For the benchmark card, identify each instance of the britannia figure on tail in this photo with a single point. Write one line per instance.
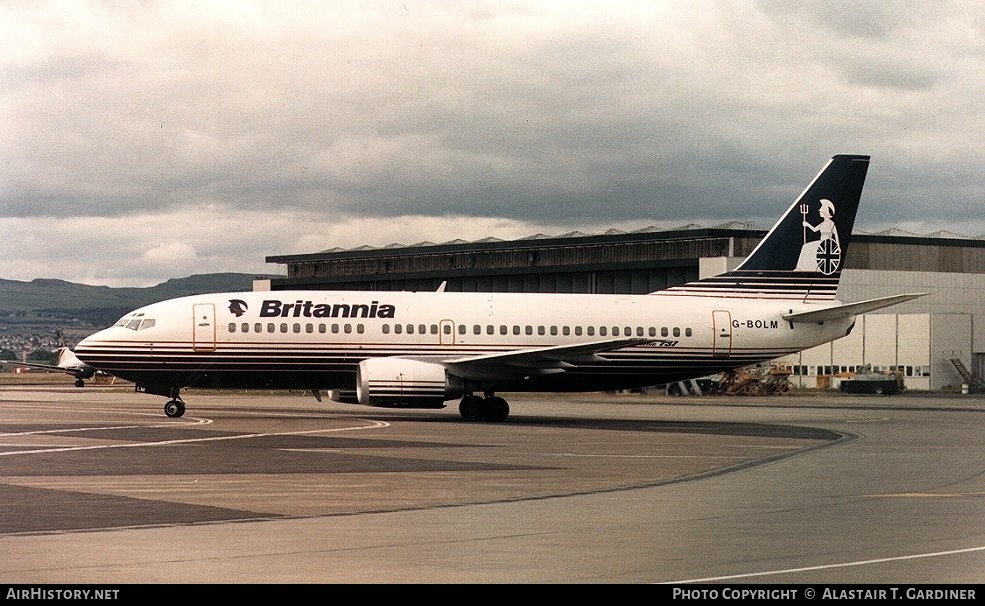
(824, 254)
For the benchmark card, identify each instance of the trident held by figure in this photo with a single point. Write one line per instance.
(804, 209)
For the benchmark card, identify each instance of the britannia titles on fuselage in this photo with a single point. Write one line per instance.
(272, 308)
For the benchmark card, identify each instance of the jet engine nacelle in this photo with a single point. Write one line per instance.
(343, 396)
(399, 382)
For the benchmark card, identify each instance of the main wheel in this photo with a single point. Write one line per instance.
(497, 409)
(471, 408)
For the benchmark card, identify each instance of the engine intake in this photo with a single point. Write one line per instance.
(399, 382)
(343, 396)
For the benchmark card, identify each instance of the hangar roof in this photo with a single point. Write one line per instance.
(576, 238)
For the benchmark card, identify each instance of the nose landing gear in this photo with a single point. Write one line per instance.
(174, 408)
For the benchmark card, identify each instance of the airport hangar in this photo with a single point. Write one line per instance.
(936, 342)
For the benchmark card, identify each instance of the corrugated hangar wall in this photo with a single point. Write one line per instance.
(601, 281)
(618, 264)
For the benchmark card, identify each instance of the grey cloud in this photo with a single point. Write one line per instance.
(534, 113)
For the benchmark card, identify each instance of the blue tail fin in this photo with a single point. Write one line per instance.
(802, 255)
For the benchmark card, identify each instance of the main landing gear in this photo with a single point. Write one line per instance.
(490, 408)
(174, 408)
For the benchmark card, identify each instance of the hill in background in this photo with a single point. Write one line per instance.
(44, 305)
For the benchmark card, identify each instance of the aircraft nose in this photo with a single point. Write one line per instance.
(84, 347)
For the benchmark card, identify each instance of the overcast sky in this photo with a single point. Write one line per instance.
(141, 141)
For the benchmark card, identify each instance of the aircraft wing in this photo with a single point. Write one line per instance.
(537, 360)
(839, 312)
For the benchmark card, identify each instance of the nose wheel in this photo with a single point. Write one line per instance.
(175, 408)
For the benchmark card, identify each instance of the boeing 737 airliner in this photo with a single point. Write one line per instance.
(421, 349)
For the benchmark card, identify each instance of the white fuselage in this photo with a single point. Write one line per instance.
(316, 339)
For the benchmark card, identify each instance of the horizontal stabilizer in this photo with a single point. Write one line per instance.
(847, 310)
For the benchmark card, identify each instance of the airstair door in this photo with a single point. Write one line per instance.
(204, 327)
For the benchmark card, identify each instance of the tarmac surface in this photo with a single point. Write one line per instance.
(99, 486)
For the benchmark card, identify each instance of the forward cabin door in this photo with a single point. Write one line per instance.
(721, 321)
(204, 327)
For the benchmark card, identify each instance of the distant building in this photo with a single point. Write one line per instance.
(920, 339)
